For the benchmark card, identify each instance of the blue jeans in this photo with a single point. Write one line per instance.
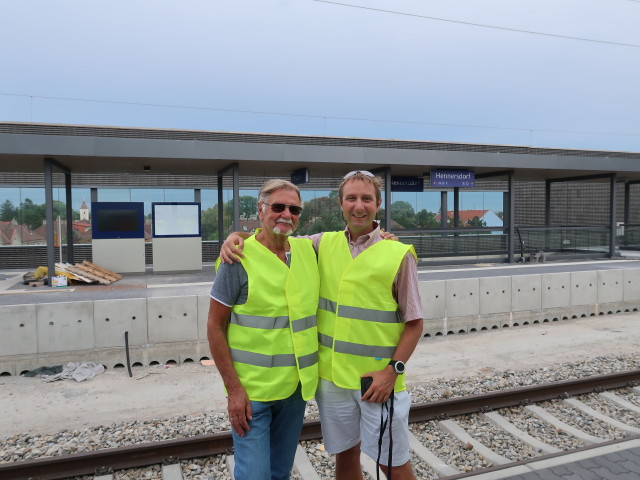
(267, 451)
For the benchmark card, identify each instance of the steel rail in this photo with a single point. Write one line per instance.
(87, 463)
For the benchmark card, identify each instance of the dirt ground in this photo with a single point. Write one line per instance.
(29, 405)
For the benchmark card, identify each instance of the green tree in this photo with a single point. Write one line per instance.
(402, 213)
(475, 222)
(426, 219)
(321, 214)
(8, 212)
(248, 205)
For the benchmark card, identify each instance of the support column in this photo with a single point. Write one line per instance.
(511, 237)
(456, 219)
(94, 195)
(387, 198)
(547, 215)
(444, 209)
(67, 188)
(220, 210)
(197, 195)
(236, 197)
(612, 214)
(48, 208)
(456, 207)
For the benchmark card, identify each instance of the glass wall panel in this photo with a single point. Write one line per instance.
(481, 209)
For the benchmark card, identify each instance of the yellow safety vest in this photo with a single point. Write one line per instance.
(273, 337)
(359, 325)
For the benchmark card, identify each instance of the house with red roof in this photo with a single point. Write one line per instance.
(488, 217)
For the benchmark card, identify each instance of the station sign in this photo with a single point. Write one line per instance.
(453, 178)
(407, 184)
(300, 176)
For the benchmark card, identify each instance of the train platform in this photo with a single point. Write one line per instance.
(149, 284)
(618, 460)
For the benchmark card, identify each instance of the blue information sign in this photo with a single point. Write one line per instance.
(453, 178)
(300, 176)
(407, 184)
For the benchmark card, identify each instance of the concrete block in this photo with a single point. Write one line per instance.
(610, 308)
(550, 315)
(120, 255)
(584, 288)
(583, 311)
(162, 354)
(524, 318)
(610, 286)
(459, 324)
(433, 298)
(526, 292)
(462, 297)
(492, 322)
(177, 254)
(203, 315)
(556, 291)
(434, 327)
(18, 332)
(65, 326)
(631, 279)
(495, 295)
(172, 319)
(8, 368)
(114, 317)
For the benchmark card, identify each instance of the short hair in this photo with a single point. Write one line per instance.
(365, 177)
(275, 184)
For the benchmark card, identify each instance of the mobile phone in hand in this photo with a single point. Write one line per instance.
(365, 383)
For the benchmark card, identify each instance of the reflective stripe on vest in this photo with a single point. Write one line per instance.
(273, 336)
(359, 326)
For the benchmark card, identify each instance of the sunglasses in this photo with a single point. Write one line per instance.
(355, 172)
(279, 208)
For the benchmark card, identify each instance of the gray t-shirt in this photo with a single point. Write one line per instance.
(231, 285)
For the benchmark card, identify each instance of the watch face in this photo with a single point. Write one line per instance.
(398, 366)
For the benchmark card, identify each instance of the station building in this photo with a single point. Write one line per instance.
(558, 202)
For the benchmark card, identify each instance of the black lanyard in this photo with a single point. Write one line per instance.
(383, 426)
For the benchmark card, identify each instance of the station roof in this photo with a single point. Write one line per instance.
(99, 149)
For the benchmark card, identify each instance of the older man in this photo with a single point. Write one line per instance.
(263, 337)
(369, 322)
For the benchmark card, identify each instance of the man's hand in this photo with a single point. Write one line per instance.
(239, 408)
(388, 236)
(231, 250)
(382, 386)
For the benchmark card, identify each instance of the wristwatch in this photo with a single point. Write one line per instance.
(398, 366)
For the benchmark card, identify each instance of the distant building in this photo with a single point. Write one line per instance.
(489, 217)
(13, 233)
(84, 211)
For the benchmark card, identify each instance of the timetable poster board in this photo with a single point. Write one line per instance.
(176, 219)
(111, 220)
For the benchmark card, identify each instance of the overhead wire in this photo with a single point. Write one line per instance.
(318, 116)
(482, 25)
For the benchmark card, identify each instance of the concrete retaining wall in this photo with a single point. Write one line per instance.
(174, 329)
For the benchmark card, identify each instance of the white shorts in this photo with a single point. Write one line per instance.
(346, 421)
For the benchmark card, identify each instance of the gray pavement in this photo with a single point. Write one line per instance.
(617, 461)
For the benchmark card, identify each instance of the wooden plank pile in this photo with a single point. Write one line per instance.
(89, 272)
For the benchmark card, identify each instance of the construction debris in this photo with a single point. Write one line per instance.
(85, 272)
(89, 273)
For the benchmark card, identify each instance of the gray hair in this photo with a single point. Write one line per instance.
(271, 186)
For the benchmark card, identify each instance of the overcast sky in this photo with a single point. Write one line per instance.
(434, 70)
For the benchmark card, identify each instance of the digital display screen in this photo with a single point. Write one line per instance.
(117, 220)
(176, 219)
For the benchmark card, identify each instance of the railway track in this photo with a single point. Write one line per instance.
(572, 408)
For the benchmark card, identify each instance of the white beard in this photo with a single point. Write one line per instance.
(277, 231)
